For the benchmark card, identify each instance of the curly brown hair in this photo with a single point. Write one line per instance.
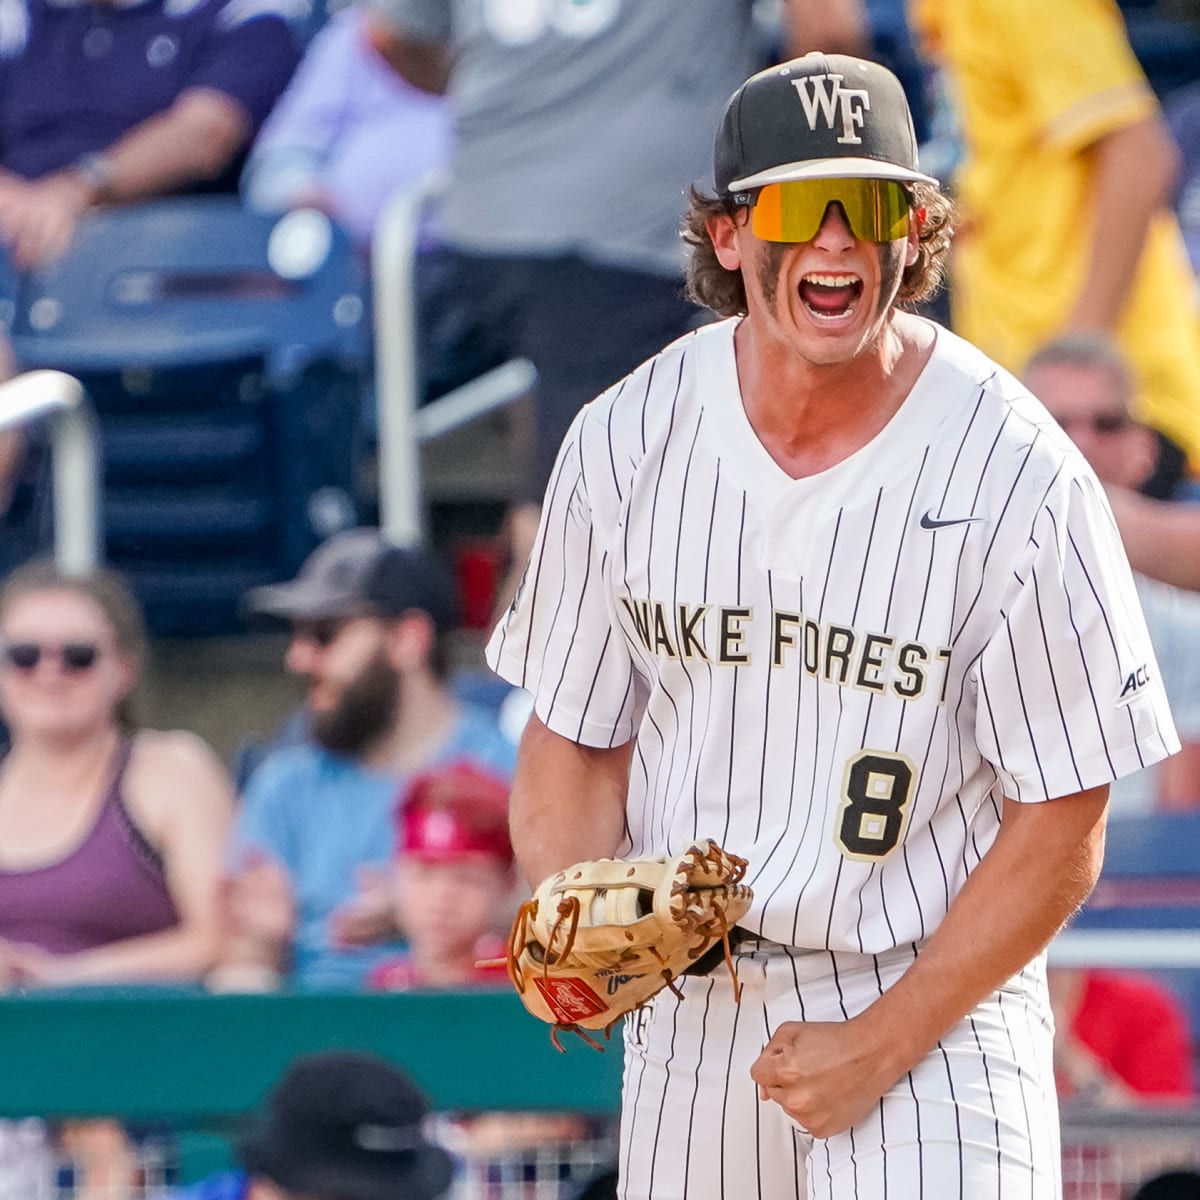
(722, 290)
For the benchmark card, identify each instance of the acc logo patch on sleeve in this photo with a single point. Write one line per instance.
(1134, 683)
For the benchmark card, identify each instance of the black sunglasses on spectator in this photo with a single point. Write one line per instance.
(1110, 422)
(321, 633)
(74, 656)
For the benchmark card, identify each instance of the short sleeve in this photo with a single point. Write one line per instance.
(560, 639)
(262, 823)
(1079, 76)
(426, 20)
(1068, 690)
(249, 56)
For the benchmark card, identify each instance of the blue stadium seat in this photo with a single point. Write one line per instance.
(227, 354)
(1151, 875)
(1151, 882)
(1167, 48)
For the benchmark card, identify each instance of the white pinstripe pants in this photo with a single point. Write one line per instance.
(977, 1118)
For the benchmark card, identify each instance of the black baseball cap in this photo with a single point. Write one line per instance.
(360, 571)
(823, 116)
(348, 1125)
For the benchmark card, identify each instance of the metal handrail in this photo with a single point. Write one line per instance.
(402, 424)
(74, 443)
(1144, 949)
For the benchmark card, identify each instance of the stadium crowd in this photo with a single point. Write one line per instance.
(1070, 136)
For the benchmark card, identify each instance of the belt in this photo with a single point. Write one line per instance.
(741, 941)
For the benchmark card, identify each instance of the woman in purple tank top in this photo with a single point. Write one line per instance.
(111, 838)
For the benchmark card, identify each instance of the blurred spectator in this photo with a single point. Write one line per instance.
(889, 41)
(1162, 538)
(1120, 1039)
(1182, 110)
(310, 896)
(105, 101)
(577, 129)
(339, 1125)
(1066, 185)
(110, 838)
(1170, 1185)
(603, 1186)
(1084, 383)
(349, 132)
(454, 881)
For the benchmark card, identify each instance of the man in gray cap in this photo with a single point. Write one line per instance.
(339, 1125)
(307, 897)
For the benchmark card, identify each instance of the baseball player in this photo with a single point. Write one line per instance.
(823, 583)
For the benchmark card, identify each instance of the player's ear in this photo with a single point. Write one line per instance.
(722, 232)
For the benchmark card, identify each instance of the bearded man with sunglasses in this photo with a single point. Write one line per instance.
(823, 583)
(311, 896)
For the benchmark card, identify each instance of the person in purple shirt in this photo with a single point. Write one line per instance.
(112, 101)
(350, 130)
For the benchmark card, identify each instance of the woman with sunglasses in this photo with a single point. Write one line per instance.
(110, 837)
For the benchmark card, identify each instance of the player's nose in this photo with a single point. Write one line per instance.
(835, 232)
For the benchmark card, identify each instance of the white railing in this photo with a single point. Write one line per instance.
(62, 401)
(1131, 949)
(403, 424)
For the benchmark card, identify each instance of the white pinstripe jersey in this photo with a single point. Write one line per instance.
(840, 676)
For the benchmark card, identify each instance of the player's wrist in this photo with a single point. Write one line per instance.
(893, 1037)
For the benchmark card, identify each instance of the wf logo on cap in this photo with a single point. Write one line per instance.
(824, 96)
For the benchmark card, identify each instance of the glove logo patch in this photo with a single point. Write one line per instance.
(570, 1000)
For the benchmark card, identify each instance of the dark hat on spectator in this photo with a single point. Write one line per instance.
(823, 116)
(348, 1126)
(1172, 1185)
(356, 572)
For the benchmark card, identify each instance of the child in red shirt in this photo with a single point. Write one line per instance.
(454, 874)
(1122, 1039)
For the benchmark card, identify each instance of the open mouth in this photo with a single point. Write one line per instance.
(829, 297)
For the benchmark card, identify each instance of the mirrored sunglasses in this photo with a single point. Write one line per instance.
(74, 656)
(877, 210)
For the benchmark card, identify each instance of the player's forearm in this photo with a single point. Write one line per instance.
(1133, 172)
(1043, 864)
(191, 142)
(568, 801)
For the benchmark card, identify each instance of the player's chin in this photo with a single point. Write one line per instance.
(825, 339)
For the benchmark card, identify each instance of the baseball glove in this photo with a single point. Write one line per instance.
(600, 938)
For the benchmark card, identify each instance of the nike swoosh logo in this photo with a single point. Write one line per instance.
(929, 521)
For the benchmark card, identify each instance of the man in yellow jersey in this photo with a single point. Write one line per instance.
(1065, 183)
